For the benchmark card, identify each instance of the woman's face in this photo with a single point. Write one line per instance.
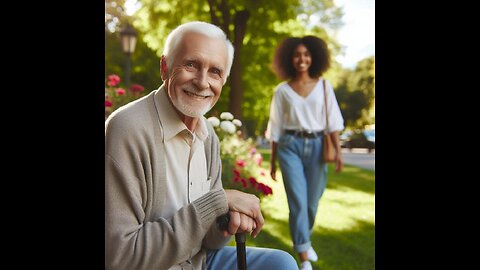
(302, 59)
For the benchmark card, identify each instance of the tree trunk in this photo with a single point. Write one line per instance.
(236, 89)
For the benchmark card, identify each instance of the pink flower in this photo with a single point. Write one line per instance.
(136, 88)
(240, 163)
(120, 91)
(116, 96)
(258, 158)
(113, 80)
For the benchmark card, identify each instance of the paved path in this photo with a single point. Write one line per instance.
(359, 157)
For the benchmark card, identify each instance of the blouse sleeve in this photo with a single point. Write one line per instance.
(335, 118)
(274, 126)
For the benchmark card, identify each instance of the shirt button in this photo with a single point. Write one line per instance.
(191, 183)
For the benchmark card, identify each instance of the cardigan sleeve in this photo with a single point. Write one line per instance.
(132, 240)
(214, 238)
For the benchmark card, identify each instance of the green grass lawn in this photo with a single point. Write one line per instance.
(344, 231)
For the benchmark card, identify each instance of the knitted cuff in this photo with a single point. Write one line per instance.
(211, 205)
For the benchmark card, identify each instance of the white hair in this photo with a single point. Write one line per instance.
(203, 28)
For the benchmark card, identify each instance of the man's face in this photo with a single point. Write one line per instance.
(195, 82)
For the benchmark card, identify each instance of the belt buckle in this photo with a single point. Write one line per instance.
(308, 134)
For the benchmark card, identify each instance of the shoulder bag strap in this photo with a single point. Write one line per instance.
(326, 111)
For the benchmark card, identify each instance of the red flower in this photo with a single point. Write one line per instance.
(240, 163)
(120, 91)
(244, 183)
(113, 80)
(253, 182)
(116, 96)
(136, 88)
(264, 189)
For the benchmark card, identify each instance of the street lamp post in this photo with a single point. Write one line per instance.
(128, 38)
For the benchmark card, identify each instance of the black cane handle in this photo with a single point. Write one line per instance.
(223, 221)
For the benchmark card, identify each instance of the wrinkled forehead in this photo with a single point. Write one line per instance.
(208, 48)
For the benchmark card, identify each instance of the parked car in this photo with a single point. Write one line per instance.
(360, 139)
(344, 137)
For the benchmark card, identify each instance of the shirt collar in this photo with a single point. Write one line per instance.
(172, 124)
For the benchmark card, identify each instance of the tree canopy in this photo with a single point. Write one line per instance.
(255, 28)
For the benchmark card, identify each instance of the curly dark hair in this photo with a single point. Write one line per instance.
(282, 59)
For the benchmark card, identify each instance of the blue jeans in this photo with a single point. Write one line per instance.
(257, 259)
(305, 179)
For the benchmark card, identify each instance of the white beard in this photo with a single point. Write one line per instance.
(191, 111)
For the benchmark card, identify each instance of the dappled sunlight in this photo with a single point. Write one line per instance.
(344, 231)
(276, 205)
(343, 209)
(279, 229)
(345, 249)
(352, 178)
(360, 173)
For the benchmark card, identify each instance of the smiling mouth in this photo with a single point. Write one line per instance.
(199, 96)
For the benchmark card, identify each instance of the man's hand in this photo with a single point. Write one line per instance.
(239, 223)
(244, 212)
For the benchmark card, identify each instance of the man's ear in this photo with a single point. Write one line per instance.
(163, 68)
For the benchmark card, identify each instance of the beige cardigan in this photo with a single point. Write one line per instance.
(136, 235)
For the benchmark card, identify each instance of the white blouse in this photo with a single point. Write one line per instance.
(289, 110)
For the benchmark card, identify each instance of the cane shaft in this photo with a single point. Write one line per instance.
(240, 239)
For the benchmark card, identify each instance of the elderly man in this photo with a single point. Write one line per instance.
(163, 188)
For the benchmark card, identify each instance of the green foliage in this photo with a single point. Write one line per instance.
(144, 62)
(356, 94)
(268, 23)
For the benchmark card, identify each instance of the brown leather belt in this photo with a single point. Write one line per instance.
(304, 134)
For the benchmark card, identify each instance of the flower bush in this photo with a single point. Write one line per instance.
(242, 164)
(116, 96)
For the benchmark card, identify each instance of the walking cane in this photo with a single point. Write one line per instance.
(240, 239)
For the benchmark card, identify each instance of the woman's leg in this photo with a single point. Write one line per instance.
(316, 177)
(290, 151)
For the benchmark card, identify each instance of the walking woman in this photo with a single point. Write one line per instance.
(295, 129)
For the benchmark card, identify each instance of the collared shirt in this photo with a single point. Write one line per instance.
(185, 158)
(289, 110)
